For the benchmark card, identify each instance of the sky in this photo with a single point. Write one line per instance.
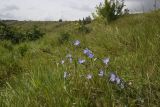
(64, 9)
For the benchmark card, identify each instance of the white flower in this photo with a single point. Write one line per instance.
(101, 73)
(62, 62)
(112, 77)
(106, 60)
(89, 76)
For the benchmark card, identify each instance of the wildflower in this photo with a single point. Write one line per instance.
(112, 77)
(90, 55)
(89, 76)
(77, 43)
(66, 74)
(106, 60)
(115, 79)
(118, 80)
(85, 51)
(101, 73)
(70, 60)
(81, 61)
(62, 62)
(122, 85)
(69, 56)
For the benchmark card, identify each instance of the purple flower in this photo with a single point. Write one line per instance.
(85, 51)
(89, 76)
(101, 73)
(77, 43)
(118, 80)
(81, 61)
(112, 77)
(90, 55)
(115, 79)
(106, 60)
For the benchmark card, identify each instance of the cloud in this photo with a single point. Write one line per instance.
(85, 8)
(7, 16)
(56, 9)
(10, 8)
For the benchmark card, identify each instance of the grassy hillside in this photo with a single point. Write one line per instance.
(32, 73)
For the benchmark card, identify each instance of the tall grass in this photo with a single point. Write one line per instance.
(131, 43)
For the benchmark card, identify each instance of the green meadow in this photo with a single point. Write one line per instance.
(32, 73)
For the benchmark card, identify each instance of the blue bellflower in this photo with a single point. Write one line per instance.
(81, 61)
(112, 77)
(105, 61)
(88, 53)
(77, 43)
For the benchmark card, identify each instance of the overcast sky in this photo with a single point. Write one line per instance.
(56, 9)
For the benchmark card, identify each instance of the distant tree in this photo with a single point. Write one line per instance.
(60, 20)
(110, 10)
(88, 20)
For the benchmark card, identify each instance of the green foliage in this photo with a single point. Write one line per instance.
(83, 29)
(63, 37)
(133, 50)
(34, 34)
(23, 49)
(17, 35)
(110, 10)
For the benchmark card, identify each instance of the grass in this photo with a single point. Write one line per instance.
(31, 73)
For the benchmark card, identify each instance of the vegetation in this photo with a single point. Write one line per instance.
(17, 35)
(110, 10)
(41, 72)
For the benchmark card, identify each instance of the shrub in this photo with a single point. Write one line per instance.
(34, 33)
(23, 49)
(83, 29)
(64, 37)
(110, 10)
(60, 20)
(86, 20)
(19, 35)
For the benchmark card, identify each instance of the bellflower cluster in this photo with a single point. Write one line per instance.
(88, 53)
(116, 79)
(113, 77)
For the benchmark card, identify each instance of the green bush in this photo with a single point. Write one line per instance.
(64, 37)
(23, 49)
(86, 20)
(17, 35)
(83, 29)
(110, 10)
(34, 33)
